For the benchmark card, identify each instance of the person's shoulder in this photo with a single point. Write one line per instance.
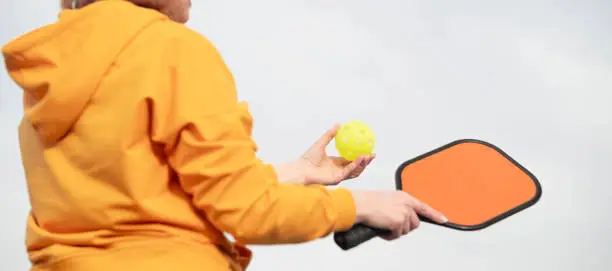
(181, 34)
(180, 44)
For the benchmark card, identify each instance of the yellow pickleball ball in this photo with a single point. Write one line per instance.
(354, 139)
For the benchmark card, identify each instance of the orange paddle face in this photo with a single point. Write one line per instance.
(473, 183)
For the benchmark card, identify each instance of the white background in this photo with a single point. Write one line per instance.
(533, 77)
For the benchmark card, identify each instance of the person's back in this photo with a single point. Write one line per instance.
(96, 179)
(138, 155)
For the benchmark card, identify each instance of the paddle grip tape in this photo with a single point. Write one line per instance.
(357, 235)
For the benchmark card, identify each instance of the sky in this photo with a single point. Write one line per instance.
(532, 77)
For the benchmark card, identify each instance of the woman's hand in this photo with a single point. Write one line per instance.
(396, 211)
(316, 167)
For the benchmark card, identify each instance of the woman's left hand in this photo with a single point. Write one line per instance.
(316, 167)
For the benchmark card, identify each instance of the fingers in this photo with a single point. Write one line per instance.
(407, 224)
(396, 232)
(371, 158)
(355, 168)
(355, 165)
(414, 221)
(390, 237)
(343, 162)
(401, 230)
(428, 212)
(368, 158)
(411, 222)
(326, 138)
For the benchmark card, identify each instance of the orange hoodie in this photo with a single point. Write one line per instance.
(138, 155)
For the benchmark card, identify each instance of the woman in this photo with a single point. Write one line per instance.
(138, 155)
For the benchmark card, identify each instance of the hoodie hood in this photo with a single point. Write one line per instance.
(59, 66)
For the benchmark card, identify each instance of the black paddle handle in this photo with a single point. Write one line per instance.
(357, 235)
(361, 233)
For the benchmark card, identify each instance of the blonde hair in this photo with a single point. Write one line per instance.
(75, 4)
(163, 6)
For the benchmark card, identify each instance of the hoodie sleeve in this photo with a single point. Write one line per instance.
(207, 136)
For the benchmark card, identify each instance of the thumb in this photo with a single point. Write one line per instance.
(326, 138)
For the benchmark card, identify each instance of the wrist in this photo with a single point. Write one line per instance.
(290, 173)
(362, 210)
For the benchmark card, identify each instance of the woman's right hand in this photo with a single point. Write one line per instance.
(396, 211)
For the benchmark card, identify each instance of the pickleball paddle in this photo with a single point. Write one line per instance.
(472, 182)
